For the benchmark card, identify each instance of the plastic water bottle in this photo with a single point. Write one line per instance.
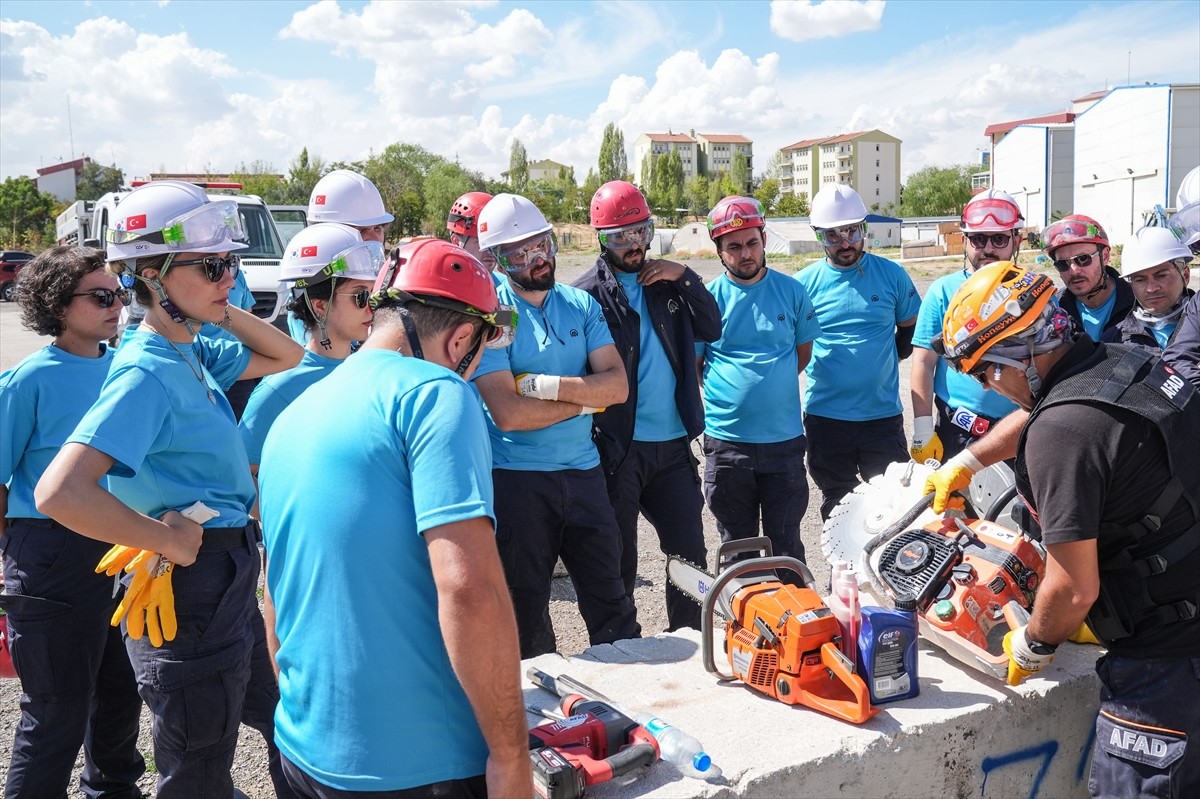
(679, 749)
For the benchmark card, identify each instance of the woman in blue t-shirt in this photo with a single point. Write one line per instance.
(73, 667)
(164, 432)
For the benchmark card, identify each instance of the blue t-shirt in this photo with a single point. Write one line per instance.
(751, 377)
(657, 417)
(274, 393)
(171, 444)
(297, 330)
(854, 374)
(368, 698)
(953, 387)
(1094, 319)
(1163, 334)
(555, 339)
(42, 398)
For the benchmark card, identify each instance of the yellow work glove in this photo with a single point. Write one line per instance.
(1084, 635)
(1022, 659)
(159, 608)
(586, 411)
(544, 387)
(142, 568)
(116, 559)
(926, 445)
(954, 476)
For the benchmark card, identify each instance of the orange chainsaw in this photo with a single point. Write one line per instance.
(781, 639)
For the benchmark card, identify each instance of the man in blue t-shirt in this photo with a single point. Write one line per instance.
(541, 391)
(404, 579)
(867, 307)
(656, 310)
(1097, 297)
(753, 432)
(949, 408)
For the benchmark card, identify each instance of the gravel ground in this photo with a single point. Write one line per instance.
(250, 772)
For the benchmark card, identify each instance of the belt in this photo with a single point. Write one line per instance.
(48, 524)
(219, 539)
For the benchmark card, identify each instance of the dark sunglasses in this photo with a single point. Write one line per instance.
(362, 296)
(1082, 261)
(106, 297)
(979, 373)
(980, 240)
(214, 266)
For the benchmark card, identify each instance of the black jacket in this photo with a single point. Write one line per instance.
(682, 312)
(1130, 330)
(1125, 302)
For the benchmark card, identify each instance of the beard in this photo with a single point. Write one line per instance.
(747, 268)
(525, 278)
(631, 260)
(845, 256)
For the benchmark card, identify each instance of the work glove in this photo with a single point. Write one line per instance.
(153, 611)
(584, 410)
(954, 476)
(926, 445)
(143, 568)
(1084, 635)
(1022, 659)
(543, 387)
(116, 559)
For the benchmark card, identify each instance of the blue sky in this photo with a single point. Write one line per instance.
(182, 86)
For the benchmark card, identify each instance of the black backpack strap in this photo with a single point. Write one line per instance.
(1123, 375)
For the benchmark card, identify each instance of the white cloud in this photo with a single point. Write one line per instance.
(802, 20)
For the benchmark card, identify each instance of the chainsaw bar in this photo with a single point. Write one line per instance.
(693, 581)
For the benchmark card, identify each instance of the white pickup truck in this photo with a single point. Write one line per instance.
(87, 223)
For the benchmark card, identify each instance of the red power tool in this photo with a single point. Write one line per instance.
(593, 744)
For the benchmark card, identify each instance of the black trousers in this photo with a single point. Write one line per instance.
(541, 516)
(660, 479)
(839, 451)
(308, 788)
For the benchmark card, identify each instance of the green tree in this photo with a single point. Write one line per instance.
(95, 181)
(260, 177)
(739, 172)
(937, 191)
(767, 194)
(673, 184)
(399, 173)
(590, 184)
(697, 196)
(26, 214)
(518, 166)
(444, 184)
(303, 174)
(792, 205)
(613, 163)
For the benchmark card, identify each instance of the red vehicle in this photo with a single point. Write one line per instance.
(11, 262)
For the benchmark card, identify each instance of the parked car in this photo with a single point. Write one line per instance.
(289, 219)
(11, 262)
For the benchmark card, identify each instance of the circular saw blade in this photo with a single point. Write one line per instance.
(867, 511)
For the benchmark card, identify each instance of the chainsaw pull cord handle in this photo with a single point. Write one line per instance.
(898, 526)
(723, 579)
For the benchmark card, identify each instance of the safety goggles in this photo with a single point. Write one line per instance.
(214, 266)
(1082, 261)
(503, 325)
(467, 221)
(522, 256)
(992, 212)
(360, 261)
(639, 234)
(737, 214)
(835, 237)
(106, 297)
(361, 295)
(204, 226)
(998, 240)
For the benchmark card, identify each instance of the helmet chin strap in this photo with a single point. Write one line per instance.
(410, 332)
(172, 310)
(1103, 284)
(322, 319)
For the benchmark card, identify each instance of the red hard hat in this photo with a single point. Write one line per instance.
(734, 213)
(466, 208)
(436, 268)
(618, 203)
(1074, 229)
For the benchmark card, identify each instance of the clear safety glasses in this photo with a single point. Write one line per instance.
(361, 261)
(209, 224)
(503, 324)
(639, 234)
(838, 236)
(735, 215)
(214, 266)
(522, 256)
(993, 211)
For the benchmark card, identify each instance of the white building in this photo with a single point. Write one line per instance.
(648, 144)
(1036, 165)
(61, 179)
(717, 151)
(867, 160)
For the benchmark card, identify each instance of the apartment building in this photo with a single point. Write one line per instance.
(652, 144)
(717, 152)
(868, 161)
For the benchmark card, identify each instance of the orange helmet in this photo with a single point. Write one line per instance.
(1000, 301)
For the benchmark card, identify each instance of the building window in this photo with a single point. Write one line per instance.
(877, 178)
(876, 162)
(877, 192)
(876, 148)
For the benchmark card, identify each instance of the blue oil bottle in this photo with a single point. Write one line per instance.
(887, 651)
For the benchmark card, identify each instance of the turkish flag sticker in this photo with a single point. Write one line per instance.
(319, 199)
(308, 252)
(136, 222)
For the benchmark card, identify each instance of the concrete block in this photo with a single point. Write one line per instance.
(966, 734)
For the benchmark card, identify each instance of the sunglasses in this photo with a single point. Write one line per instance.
(106, 297)
(979, 373)
(1081, 261)
(833, 237)
(362, 297)
(214, 266)
(980, 240)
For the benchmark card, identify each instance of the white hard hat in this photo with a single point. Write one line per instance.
(320, 252)
(1189, 189)
(508, 218)
(1151, 247)
(347, 197)
(167, 216)
(991, 211)
(1186, 224)
(835, 206)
